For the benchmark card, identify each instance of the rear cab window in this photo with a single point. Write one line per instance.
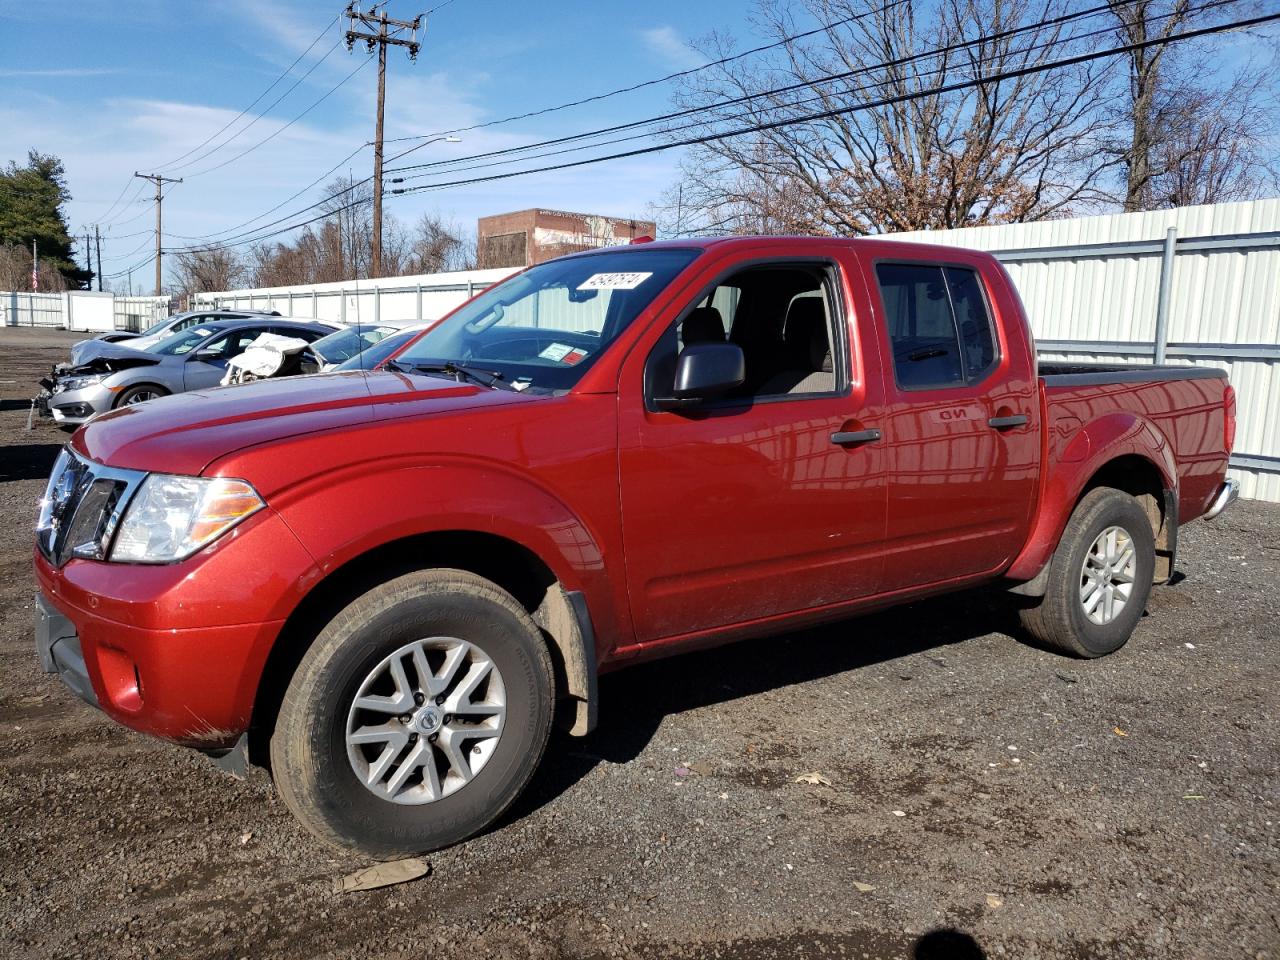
(938, 322)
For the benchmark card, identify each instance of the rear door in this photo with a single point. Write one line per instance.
(961, 425)
(751, 507)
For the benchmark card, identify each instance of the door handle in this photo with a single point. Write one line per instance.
(1004, 423)
(854, 436)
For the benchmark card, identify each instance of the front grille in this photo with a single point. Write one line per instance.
(81, 508)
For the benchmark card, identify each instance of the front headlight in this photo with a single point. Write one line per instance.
(171, 517)
(79, 383)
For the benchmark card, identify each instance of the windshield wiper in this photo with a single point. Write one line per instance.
(460, 372)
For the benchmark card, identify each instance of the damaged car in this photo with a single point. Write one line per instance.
(194, 359)
(82, 351)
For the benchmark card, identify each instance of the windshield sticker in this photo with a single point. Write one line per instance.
(563, 353)
(614, 281)
(556, 352)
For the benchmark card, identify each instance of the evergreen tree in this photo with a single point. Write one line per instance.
(31, 200)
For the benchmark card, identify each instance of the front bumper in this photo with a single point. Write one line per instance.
(58, 645)
(77, 406)
(174, 650)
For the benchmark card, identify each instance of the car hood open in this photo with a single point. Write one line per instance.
(186, 432)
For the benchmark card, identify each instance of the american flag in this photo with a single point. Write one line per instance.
(35, 269)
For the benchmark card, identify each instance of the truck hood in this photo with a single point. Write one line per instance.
(186, 432)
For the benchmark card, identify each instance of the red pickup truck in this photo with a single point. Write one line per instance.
(386, 585)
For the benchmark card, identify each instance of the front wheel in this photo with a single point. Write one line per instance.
(140, 394)
(416, 717)
(1099, 578)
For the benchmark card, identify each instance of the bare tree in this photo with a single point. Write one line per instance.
(438, 246)
(914, 156)
(15, 270)
(202, 271)
(1185, 138)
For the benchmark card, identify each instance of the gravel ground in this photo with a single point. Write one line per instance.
(986, 798)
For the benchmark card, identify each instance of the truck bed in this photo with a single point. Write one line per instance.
(1094, 374)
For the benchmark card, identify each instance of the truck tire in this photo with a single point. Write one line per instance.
(1099, 578)
(416, 717)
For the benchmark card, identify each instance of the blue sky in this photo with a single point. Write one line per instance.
(114, 87)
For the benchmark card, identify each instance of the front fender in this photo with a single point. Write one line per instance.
(1076, 452)
(349, 512)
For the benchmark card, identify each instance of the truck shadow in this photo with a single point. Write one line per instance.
(635, 701)
(27, 461)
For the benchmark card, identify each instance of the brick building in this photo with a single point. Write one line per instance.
(527, 237)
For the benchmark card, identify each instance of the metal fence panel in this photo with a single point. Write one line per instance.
(32, 309)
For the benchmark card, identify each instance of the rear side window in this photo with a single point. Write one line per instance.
(938, 323)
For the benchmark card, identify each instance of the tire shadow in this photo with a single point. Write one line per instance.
(634, 701)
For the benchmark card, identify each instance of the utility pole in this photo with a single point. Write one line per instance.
(35, 270)
(159, 181)
(97, 240)
(388, 33)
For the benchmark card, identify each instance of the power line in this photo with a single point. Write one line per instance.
(658, 80)
(452, 163)
(677, 114)
(257, 99)
(842, 111)
(450, 166)
(248, 126)
(265, 140)
(289, 199)
(387, 34)
(159, 181)
(791, 121)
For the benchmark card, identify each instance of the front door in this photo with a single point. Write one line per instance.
(752, 507)
(207, 365)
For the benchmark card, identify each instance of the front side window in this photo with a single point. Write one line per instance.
(183, 343)
(781, 315)
(544, 328)
(938, 324)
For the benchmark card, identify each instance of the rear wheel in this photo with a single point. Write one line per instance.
(1099, 578)
(416, 717)
(140, 394)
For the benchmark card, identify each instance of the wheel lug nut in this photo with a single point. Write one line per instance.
(439, 699)
(418, 698)
(448, 718)
(413, 738)
(433, 738)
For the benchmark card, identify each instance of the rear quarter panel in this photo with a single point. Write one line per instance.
(1177, 425)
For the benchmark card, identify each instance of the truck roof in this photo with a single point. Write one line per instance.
(704, 243)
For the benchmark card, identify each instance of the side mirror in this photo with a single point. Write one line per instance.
(207, 356)
(705, 371)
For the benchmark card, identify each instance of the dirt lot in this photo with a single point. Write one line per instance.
(986, 799)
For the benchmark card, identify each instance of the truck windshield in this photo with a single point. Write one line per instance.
(543, 329)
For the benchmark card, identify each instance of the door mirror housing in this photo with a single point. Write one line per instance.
(705, 371)
(207, 356)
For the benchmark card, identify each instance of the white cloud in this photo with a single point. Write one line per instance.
(671, 47)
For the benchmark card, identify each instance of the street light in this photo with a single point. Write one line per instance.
(425, 143)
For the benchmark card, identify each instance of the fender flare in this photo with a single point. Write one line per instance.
(1080, 456)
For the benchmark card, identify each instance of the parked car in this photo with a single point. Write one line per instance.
(342, 345)
(386, 581)
(120, 376)
(372, 356)
(84, 350)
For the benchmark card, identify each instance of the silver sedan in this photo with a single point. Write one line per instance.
(191, 360)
